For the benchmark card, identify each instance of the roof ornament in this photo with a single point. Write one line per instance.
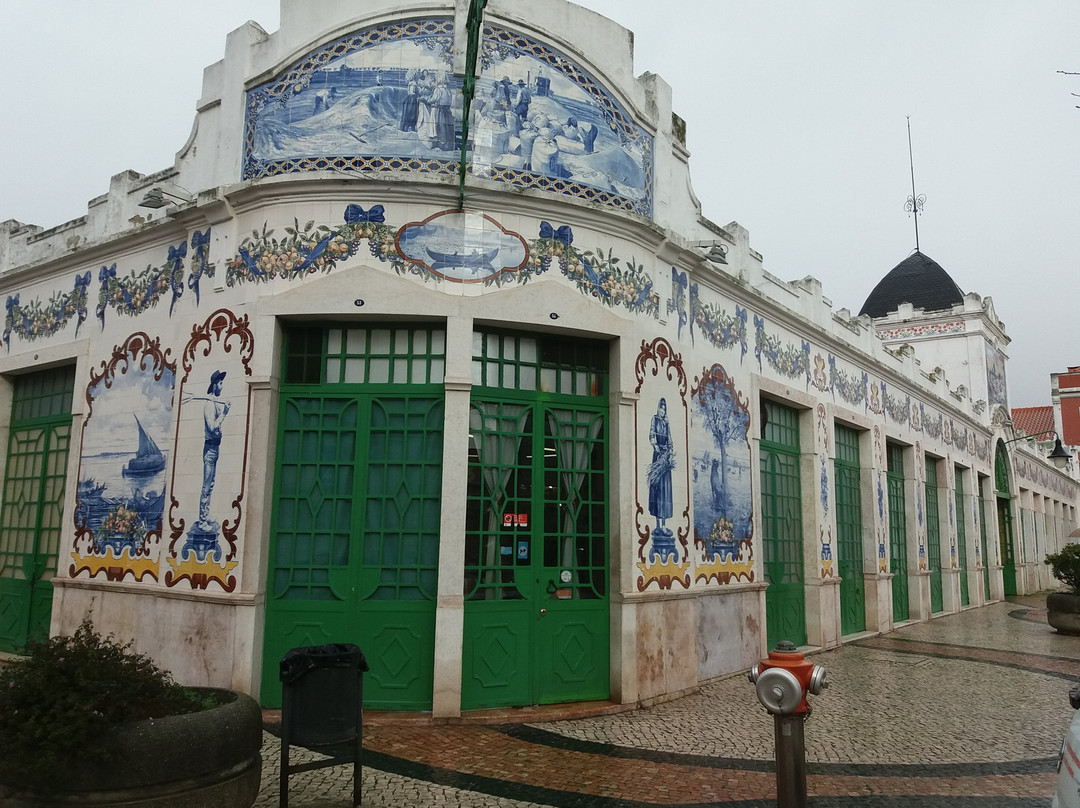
(915, 203)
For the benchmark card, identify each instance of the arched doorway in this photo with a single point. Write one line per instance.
(1003, 497)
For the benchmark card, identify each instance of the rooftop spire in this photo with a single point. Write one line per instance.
(915, 202)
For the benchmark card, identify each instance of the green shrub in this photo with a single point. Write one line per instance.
(1065, 565)
(55, 700)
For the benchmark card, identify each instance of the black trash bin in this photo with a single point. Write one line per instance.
(322, 698)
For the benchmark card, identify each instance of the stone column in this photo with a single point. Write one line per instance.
(819, 528)
(450, 606)
(919, 588)
(875, 509)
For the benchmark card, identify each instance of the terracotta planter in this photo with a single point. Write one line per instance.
(1063, 612)
(200, 759)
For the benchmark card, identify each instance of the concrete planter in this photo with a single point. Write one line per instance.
(200, 759)
(1063, 612)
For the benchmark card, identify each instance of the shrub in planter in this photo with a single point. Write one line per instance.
(1063, 608)
(84, 720)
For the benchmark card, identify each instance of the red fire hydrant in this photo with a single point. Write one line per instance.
(782, 681)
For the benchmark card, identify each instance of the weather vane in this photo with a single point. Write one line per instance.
(915, 203)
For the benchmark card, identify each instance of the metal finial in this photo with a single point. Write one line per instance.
(915, 202)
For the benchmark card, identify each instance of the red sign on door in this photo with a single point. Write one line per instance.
(515, 520)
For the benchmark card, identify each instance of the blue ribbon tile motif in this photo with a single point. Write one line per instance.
(264, 256)
(677, 304)
(200, 253)
(36, 320)
(787, 360)
(311, 248)
(140, 291)
(851, 387)
(382, 99)
(716, 325)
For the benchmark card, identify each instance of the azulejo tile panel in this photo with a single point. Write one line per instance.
(662, 478)
(36, 320)
(385, 99)
(722, 482)
(449, 246)
(126, 446)
(206, 504)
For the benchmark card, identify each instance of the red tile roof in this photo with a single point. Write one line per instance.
(1033, 420)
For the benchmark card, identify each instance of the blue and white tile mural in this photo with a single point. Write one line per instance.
(462, 246)
(386, 99)
(120, 498)
(722, 483)
(997, 391)
(206, 493)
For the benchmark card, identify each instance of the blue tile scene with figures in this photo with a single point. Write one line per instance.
(386, 99)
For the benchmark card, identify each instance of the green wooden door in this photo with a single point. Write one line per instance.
(355, 528)
(1005, 539)
(536, 604)
(1003, 494)
(961, 540)
(898, 559)
(32, 514)
(782, 539)
(849, 530)
(982, 538)
(933, 535)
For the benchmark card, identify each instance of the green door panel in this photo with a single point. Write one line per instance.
(782, 539)
(31, 519)
(14, 613)
(572, 653)
(849, 530)
(497, 653)
(1005, 539)
(983, 545)
(536, 608)
(399, 646)
(961, 540)
(898, 561)
(933, 536)
(355, 539)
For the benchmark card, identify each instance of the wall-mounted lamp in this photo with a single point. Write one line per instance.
(716, 252)
(1059, 456)
(155, 198)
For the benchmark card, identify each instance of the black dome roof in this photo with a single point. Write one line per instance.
(918, 280)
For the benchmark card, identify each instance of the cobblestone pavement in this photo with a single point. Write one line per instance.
(967, 710)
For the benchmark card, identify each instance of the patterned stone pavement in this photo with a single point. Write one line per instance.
(967, 710)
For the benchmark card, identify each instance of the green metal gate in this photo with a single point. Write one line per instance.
(355, 528)
(32, 513)
(933, 535)
(898, 561)
(1005, 538)
(536, 599)
(961, 538)
(982, 538)
(1005, 526)
(782, 538)
(849, 528)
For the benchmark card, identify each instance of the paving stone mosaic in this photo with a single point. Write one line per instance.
(967, 710)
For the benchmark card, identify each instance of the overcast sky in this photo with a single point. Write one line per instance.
(796, 122)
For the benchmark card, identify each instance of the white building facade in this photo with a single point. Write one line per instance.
(544, 434)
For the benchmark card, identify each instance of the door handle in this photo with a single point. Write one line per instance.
(543, 612)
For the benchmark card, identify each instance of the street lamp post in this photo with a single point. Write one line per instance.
(1059, 456)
